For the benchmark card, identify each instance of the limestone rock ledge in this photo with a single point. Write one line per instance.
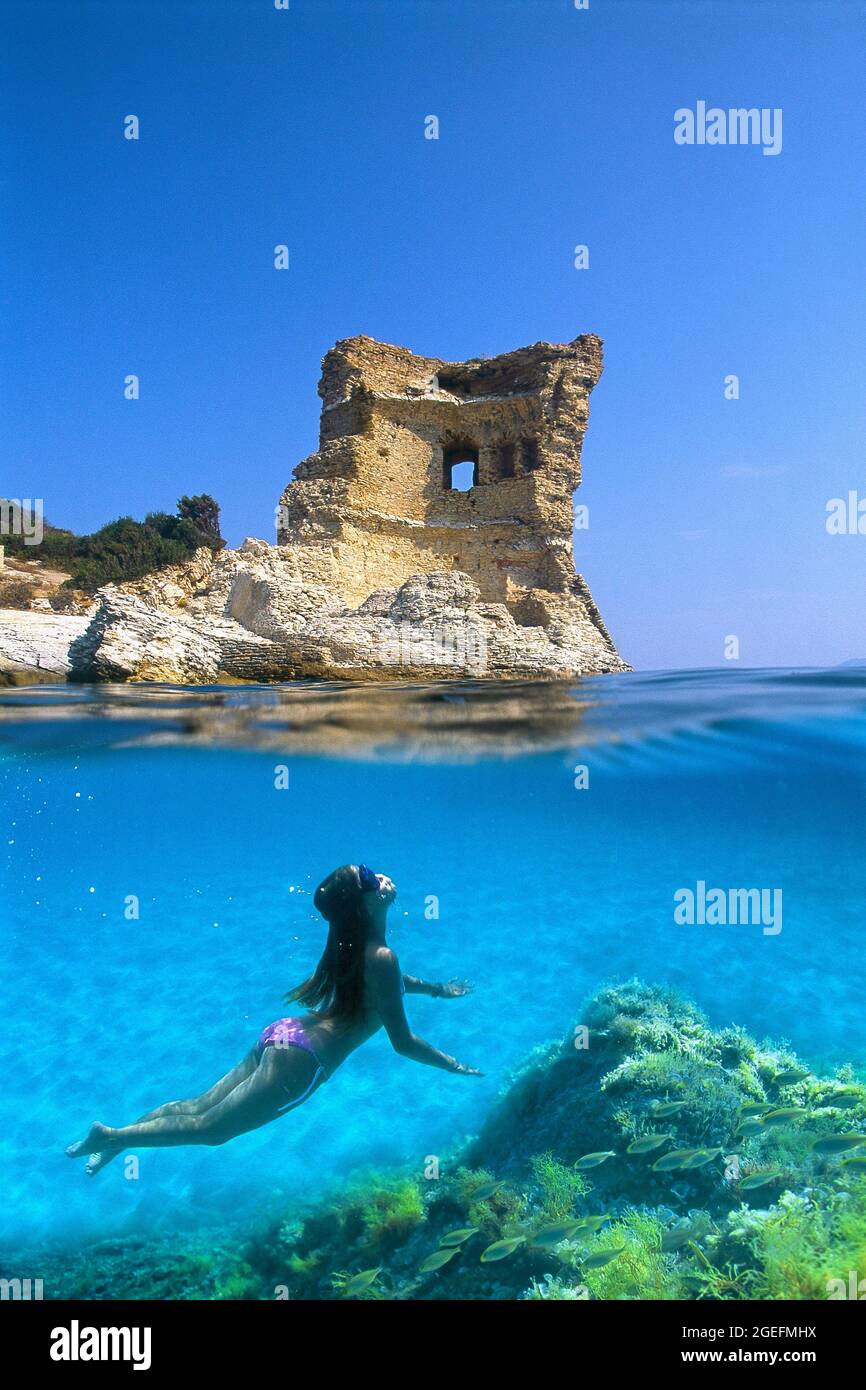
(34, 647)
(248, 614)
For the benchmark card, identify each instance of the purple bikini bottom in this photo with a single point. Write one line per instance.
(289, 1032)
(286, 1032)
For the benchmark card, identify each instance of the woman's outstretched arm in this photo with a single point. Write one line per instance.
(451, 989)
(386, 980)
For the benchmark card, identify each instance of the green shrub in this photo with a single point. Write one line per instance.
(16, 593)
(127, 549)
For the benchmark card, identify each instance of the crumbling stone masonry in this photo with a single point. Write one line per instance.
(376, 505)
(385, 567)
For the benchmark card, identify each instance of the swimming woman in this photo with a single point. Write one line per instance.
(356, 989)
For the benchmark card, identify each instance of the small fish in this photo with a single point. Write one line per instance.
(702, 1157)
(785, 1115)
(760, 1178)
(458, 1237)
(668, 1107)
(755, 1107)
(677, 1237)
(599, 1258)
(791, 1077)
(855, 1160)
(593, 1160)
(684, 1232)
(699, 1255)
(837, 1143)
(647, 1143)
(360, 1282)
(845, 1100)
(677, 1158)
(487, 1189)
(501, 1249)
(550, 1236)
(590, 1224)
(753, 1125)
(437, 1260)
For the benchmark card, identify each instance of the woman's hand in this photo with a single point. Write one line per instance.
(452, 989)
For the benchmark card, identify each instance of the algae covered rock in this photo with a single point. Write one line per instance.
(685, 1112)
(647, 1155)
(641, 1068)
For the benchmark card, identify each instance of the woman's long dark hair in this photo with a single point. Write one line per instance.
(336, 986)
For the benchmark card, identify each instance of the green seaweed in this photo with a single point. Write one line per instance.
(560, 1186)
(631, 1228)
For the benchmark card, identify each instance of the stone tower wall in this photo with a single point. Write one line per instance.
(371, 507)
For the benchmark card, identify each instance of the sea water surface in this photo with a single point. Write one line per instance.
(161, 847)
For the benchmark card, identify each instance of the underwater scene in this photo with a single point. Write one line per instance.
(654, 885)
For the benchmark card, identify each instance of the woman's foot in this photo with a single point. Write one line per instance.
(97, 1161)
(94, 1142)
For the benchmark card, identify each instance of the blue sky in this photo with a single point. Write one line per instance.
(259, 126)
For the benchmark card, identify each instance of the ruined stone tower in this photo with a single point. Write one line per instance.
(377, 503)
(386, 568)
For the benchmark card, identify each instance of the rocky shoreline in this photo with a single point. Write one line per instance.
(34, 647)
(248, 615)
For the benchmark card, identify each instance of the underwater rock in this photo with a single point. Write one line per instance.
(613, 1170)
(689, 1111)
(710, 1211)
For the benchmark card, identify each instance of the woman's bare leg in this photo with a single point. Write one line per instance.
(196, 1105)
(262, 1097)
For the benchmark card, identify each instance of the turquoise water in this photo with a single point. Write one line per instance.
(465, 794)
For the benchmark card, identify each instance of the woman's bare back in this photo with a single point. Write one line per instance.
(335, 1039)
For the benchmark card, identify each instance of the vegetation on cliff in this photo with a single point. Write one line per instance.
(125, 549)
